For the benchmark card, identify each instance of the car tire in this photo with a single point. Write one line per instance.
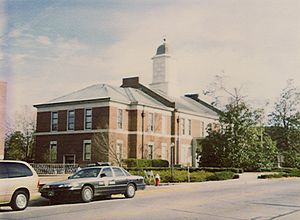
(130, 191)
(19, 200)
(87, 194)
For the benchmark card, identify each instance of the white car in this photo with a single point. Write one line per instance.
(18, 182)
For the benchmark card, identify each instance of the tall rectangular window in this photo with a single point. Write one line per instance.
(150, 122)
(71, 119)
(163, 124)
(87, 150)
(120, 119)
(183, 126)
(119, 151)
(88, 119)
(54, 121)
(164, 151)
(202, 128)
(190, 126)
(53, 151)
(150, 152)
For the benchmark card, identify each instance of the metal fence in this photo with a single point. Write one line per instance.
(54, 168)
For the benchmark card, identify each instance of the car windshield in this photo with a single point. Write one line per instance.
(86, 173)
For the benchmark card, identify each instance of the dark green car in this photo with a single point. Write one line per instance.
(90, 182)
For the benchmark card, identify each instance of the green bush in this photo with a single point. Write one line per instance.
(160, 163)
(224, 175)
(182, 175)
(145, 163)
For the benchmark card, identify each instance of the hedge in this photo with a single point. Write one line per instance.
(145, 163)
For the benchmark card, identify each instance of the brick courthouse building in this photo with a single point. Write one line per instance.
(138, 121)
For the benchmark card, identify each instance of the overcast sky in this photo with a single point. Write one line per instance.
(50, 48)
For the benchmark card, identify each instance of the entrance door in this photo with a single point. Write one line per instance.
(69, 158)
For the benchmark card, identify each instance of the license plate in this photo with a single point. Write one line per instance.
(50, 193)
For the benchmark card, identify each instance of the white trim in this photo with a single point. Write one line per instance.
(64, 159)
(150, 143)
(122, 148)
(68, 120)
(84, 119)
(118, 131)
(52, 143)
(111, 103)
(83, 150)
(70, 107)
(51, 113)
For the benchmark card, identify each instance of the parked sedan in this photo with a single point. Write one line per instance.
(94, 181)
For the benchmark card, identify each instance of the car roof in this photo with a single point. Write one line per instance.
(14, 161)
(99, 167)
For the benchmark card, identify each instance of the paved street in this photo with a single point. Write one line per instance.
(245, 198)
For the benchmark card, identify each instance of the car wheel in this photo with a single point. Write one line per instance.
(87, 194)
(130, 191)
(19, 200)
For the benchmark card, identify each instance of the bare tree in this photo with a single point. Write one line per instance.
(105, 147)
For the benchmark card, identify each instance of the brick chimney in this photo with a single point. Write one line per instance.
(132, 82)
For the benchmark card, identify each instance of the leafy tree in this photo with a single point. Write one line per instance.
(240, 141)
(19, 141)
(17, 148)
(284, 124)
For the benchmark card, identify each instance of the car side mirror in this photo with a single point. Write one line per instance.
(102, 175)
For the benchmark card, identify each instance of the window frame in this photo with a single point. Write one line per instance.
(85, 143)
(120, 118)
(51, 145)
(88, 116)
(182, 126)
(189, 127)
(152, 151)
(52, 120)
(150, 122)
(68, 120)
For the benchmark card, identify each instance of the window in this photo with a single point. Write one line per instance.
(3, 171)
(107, 171)
(119, 151)
(88, 119)
(87, 150)
(71, 119)
(183, 126)
(54, 121)
(164, 151)
(150, 152)
(18, 170)
(53, 151)
(120, 119)
(163, 124)
(190, 126)
(186, 154)
(86, 173)
(118, 171)
(202, 128)
(150, 122)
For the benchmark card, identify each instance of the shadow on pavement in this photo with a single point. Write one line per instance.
(46, 202)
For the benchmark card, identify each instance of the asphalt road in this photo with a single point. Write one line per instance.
(245, 198)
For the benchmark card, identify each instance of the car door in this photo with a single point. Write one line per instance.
(106, 182)
(120, 180)
(4, 184)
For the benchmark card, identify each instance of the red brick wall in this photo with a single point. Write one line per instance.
(43, 121)
(100, 118)
(79, 119)
(66, 144)
(62, 120)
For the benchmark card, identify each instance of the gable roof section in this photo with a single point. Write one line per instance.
(105, 92)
